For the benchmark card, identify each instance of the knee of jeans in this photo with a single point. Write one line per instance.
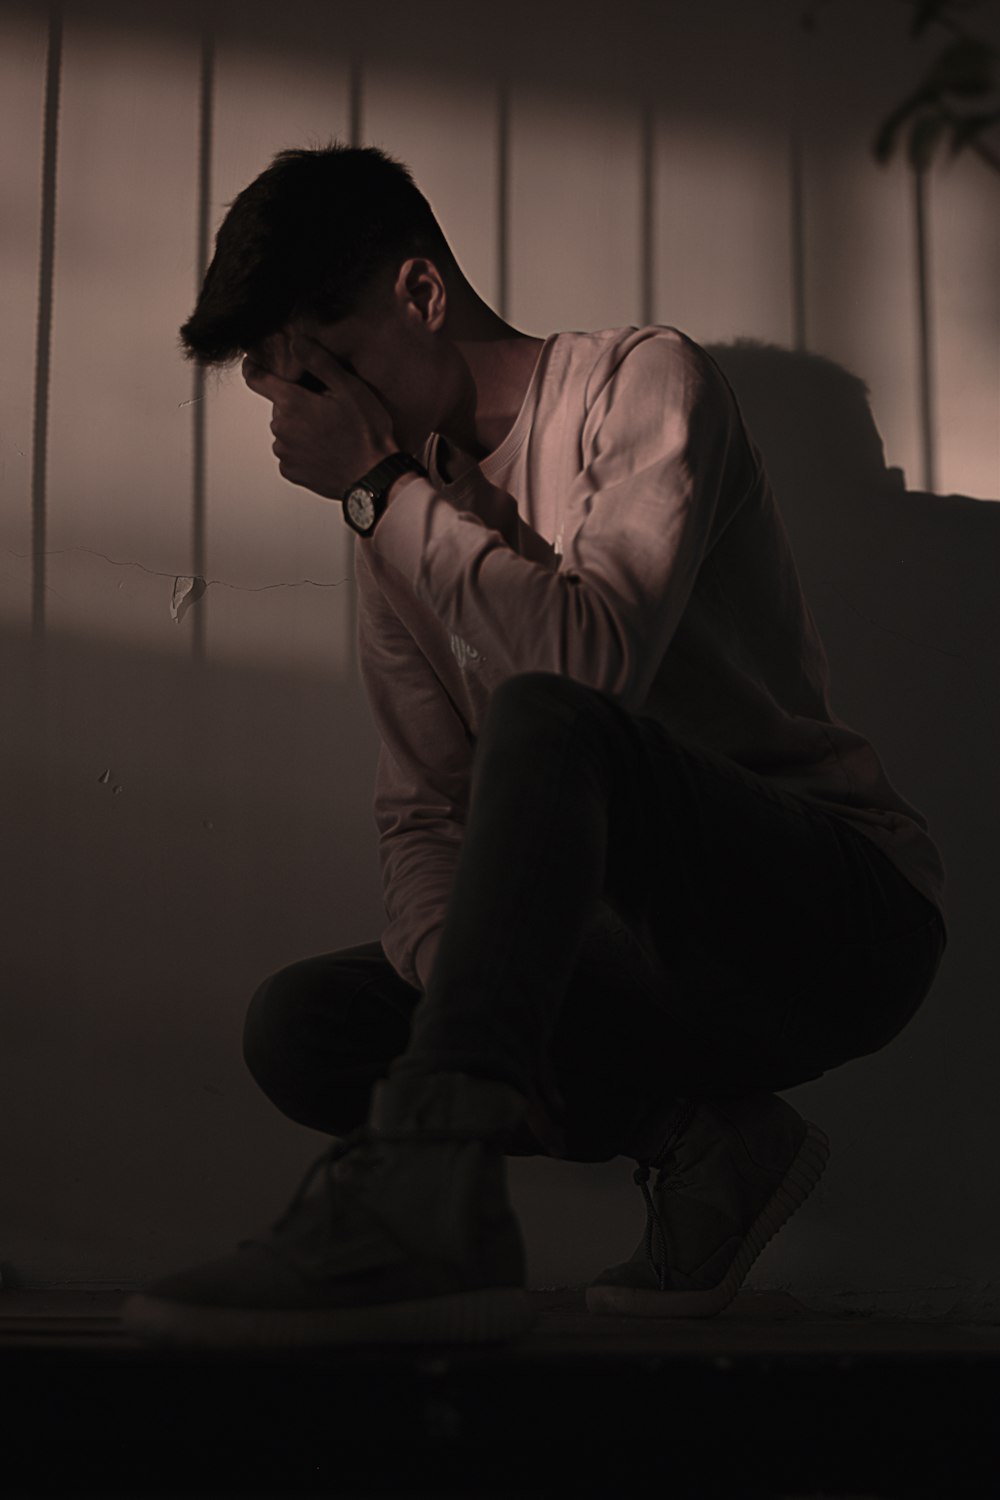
(531, 685)
(534, 693)
(263, 1026)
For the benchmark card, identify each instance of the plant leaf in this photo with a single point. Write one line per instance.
(926, 12)
(885, 140)
(969, 127)
(924, 136)
(964, 68)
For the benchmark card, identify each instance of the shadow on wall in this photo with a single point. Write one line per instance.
(902, 585)
(903, 588)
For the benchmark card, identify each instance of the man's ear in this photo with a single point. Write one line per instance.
(421, 282)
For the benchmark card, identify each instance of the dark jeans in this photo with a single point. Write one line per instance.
(633, 919)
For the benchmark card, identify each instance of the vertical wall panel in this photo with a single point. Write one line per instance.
(860, 232)
(119, 463)
(262, 530)
(722, 241)
(964, 235)
(723, 263)
(861, 287)
(22, 88)
(575, 211)
(445, 131)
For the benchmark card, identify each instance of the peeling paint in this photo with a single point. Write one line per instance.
(105, 778)
(117, 791)
(187, 591)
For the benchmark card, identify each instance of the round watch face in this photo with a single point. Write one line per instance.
(360, 507)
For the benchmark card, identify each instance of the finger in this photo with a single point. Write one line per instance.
(256, 377)
(252, 369)
(312, 383)
(262, 381)
(315, 357)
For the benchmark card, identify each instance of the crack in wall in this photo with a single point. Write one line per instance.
(888, 630)
(208, 582)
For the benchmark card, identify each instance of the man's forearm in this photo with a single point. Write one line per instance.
(400, 484)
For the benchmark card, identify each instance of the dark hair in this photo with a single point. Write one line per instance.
(309, 237)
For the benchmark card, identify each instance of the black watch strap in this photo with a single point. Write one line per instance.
(365, 500)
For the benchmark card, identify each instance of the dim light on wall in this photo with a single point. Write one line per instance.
(585, 211)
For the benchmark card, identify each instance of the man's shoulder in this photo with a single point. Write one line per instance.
(655, 353)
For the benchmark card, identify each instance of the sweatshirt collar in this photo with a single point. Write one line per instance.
(493, 463)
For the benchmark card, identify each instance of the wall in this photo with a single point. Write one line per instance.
(188, 799)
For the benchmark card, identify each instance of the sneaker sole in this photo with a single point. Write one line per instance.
(496, 1313)
(790, 1194)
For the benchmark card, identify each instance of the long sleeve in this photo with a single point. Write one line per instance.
(421, 780)
(624, 535)
(660, 441)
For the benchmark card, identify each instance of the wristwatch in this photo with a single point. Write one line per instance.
(365, 502)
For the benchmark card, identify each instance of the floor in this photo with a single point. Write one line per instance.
(766, 1399)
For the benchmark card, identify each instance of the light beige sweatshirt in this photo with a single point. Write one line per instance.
(623, 534)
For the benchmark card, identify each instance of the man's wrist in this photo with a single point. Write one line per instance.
(400, 484)
(371, 496)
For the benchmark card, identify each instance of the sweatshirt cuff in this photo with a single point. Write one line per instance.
(424, 956)
(418, 514)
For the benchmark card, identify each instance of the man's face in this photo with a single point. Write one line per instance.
(381, 346)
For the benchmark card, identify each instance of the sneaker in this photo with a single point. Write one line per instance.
(731, 1172)
(410, 1238)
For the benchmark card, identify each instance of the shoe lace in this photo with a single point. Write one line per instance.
(641, 1176)
(363, 1145)
(668, 1175)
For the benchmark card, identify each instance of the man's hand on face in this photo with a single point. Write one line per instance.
(323, 441)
